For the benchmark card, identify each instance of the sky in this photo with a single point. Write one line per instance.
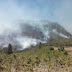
(12, 11)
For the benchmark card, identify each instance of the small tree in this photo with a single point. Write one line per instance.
(10, 49)
(40, 45)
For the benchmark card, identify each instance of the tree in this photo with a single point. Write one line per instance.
(40, 45)
(10, 49)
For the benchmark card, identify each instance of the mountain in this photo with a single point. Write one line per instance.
(57, 31)
(31, 33)
(44, 31)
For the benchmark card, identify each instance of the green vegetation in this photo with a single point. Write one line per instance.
(40, 45)
(60, 42)
(65, 53)
(51, 48)
(61, 49)
(29, 59)
(10, 49)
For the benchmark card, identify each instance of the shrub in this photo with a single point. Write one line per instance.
(65, 53)
(28, 60)
(37, 60)
(45, 60)
(61, 49)
(51, 48)
(37, 57)
(0, 60)
(15, 56)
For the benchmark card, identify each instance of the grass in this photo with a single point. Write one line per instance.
(27, 59)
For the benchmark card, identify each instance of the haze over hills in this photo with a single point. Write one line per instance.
(31, 33)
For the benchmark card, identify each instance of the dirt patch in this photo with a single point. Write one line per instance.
(66, 48)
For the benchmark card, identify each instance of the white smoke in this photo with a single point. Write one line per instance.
(27, 42)
(12, 34)
(16, 34)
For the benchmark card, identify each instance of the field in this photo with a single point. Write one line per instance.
(37, 60)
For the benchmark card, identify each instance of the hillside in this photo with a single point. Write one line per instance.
(35, 35)
(59, 42)
(31, 33)
(36, 59)
(36, 47)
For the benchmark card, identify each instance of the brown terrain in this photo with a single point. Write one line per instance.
(53, 68)
(69, 49)
(66, 48)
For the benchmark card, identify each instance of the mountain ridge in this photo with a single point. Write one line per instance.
(34, 33)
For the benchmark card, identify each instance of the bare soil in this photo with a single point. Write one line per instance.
(66, 48)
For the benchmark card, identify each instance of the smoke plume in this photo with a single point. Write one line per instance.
(28, 33)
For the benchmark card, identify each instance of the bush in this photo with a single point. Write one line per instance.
(51, 48)
(15, 56)
(65, 53)
(29, 60)
(61, 49)
(37, 60)
(37, 57)
(1, 60)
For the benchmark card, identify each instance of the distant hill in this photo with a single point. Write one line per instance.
(57, 31)
(45, 30)
(35, 32)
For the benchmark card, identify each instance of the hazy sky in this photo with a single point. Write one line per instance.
(53, 10)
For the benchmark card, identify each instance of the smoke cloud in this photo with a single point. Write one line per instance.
(20, 20)
(30, 33)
